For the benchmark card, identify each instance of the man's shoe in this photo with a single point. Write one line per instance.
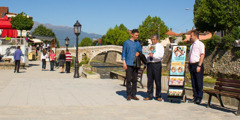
(135, 98)
(159, 99)
(147, 98)
(198, 101)
(14, 71)
(128, 98)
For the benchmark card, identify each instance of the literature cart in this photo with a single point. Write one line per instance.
(177, 74)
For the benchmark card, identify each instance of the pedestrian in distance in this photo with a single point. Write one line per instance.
(196, 68)
(154, 68)
(52, 60)
(131, 49)
(17, 58)
(68, 61)
(62, 59)
(44, 57)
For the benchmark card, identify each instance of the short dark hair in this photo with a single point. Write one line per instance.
(195, 32)
(18, 47)
(135, 31)
(155, 36)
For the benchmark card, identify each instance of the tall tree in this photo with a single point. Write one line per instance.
(116, 36)
(86, 42)
(151, 26)
(216, 15)
(22, 22)
(42, 30)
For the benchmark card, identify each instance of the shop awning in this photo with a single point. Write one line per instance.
(36, 40)
(9, 33)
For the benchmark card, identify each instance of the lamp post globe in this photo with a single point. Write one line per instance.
(67, 40)
(77, 31)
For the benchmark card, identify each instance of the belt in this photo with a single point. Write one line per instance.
(154, 62)
(194, 63)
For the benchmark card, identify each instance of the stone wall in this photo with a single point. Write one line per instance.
(220, 63)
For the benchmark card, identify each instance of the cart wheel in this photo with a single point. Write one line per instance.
(170, 100)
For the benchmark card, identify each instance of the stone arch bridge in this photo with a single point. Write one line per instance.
(93, 51)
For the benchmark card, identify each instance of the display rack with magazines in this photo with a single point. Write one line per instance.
(177, 74)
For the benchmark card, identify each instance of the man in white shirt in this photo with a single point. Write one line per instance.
(154, 68)
(196, 68)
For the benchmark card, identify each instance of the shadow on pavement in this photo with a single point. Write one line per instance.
(30, 65)
(122, 93)
(219, 108)
(21, 72)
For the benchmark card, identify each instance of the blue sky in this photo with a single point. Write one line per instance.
(97, 16)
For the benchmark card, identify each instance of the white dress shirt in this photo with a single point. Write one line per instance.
(157, 55)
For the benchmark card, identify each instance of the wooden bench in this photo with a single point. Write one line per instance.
(7, 59)
(225, 87)
(139, 77)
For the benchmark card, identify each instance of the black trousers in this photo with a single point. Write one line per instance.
(131, 76)
(197, 81)
(52, 65)
(68, 63)
(17, 65)
(43, 63)
(154, 73)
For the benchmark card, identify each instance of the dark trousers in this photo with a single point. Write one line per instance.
(154, 72)
(43, 63)
(17, 65)
(68, 63)
(131, 76)
(52, 65)
(197, 81)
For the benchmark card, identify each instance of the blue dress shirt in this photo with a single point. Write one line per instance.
(129, 50)
(18, 54)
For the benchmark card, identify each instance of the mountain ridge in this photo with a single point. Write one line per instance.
(62, 32)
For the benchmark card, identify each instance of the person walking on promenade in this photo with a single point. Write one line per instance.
(131, 48)
(17, 58)
(52, 60)
(154, 68)
(196, 68)
(62, 59)
(68, 61)
(44, 57)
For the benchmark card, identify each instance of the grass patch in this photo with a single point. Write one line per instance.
(209, 79)
(90, 72)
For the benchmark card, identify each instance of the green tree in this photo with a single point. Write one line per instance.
(236, 32)
(22, 22)
(86, 42)
(44, 31)
(216, 15)
(116, 36)
(151, 26)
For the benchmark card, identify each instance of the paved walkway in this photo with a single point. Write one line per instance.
(49, 95)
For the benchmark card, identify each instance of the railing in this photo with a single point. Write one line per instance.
(11, 41)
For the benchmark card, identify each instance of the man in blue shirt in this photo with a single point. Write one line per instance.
(17, 58)
(131, 48)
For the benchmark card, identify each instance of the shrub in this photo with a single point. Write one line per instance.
(211, 43)
(85, 60)
(227, 42)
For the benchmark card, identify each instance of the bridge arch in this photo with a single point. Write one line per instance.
(102, 51)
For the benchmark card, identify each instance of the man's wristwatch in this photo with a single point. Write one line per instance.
(199, 65)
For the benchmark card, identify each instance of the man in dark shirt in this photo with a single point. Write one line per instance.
(17, 58)
(131, 48)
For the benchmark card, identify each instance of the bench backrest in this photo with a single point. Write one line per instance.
(228, 85)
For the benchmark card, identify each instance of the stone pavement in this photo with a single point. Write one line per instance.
(49, 95)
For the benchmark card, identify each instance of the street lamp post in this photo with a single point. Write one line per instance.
(77, 31)
(67, 42)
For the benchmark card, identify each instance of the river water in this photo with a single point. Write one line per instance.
(104, 69)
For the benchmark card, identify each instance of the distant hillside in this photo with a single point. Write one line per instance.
(64, 31)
